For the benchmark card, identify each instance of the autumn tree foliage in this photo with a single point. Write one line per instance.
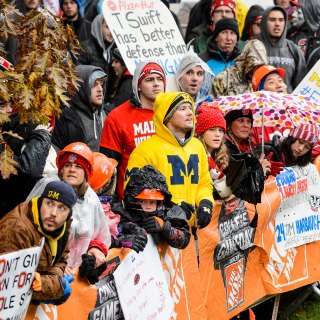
(44, 77)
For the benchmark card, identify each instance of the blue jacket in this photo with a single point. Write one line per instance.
(215, 59)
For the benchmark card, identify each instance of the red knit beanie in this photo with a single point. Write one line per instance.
(307, 132)
(209, 116)
(69, 157)
(149, 68)
(218, 3)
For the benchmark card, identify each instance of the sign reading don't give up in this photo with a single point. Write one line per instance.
(16, 276)
(145, 30)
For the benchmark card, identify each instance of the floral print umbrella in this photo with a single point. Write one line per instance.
(273, 109)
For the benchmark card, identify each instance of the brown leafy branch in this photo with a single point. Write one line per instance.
(44, 78)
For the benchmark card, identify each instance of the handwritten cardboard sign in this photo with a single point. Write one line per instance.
(298, 217)
(310, 85)
(145, 30)
(142, 287)
(16, 277)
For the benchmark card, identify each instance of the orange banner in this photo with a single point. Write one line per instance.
(246, 254)
(236, 271)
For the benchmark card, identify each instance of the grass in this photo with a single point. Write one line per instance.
(309, 310)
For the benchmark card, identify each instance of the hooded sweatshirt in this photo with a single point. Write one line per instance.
(311, 12)
(96, 32)
(88, 221)
(191, 60)
(284, 54)
(19, 231)
(254, 12)
(125, 128)
(81, 122)
(234, 80)
(98, 52)
(81, 26)
(186, 169)
(185, 165)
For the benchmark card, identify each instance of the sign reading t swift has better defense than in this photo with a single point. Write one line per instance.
(145, 30)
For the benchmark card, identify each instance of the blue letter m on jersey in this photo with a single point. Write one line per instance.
(181, 170)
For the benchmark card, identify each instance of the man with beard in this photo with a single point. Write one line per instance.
(47, 216)
(193, 76)
(281, 52)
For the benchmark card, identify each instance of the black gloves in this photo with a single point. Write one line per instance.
(151, 225)
(169, 232)
(187, 208)
(204, 213)
(132, 228)
(88, 271)
(135, 242)
(132, 237)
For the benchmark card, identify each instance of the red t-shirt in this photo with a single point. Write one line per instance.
(124, 129)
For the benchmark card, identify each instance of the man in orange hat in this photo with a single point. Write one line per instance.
(269, 78)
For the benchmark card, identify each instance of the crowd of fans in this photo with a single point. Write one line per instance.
(166, 156)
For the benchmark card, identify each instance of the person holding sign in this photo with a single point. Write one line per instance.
(296, 149)
(181, 158)
(131, 123)
(46, 216)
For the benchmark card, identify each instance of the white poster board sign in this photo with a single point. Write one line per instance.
(142, 288)
(310, 85)
(297, 220)
(16, 277)
(145, 30)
